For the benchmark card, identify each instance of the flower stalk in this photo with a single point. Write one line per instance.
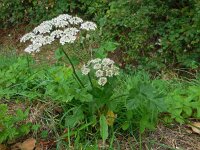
(90, 80)
(73, 68)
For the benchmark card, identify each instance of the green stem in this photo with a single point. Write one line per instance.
(90, 80)
(73, 68)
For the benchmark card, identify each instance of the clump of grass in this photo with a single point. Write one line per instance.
(7, 56)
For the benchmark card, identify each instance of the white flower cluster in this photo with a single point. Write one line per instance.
(103, 68)
(64, 27)
(88, 26)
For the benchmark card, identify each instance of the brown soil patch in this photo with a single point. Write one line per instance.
(163, 138)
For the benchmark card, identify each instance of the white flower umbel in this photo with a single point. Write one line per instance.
(67, 39)
(102, 81)
(109, 73)
(75, 20)
(64, 28)
(97, 66)
(99, 73)
(102, 69)
(85, 70)
(27, 37)
(88, 26)
(57, 34)
(44, 27)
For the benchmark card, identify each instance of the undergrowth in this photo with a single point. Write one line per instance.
(85, 116)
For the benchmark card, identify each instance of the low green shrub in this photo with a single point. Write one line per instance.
(183, 103)
(13, 126)
(97, 110)
(19, 80)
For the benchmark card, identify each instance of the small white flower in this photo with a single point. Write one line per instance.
(67, 39)
(107, 61)
(57, 33)
(99, 73)
(71, 31)
(109, 73)
(75, 20)
(106, 67)
(85, 70)
(64, 17)
(97, 66)
(115, 70)
(48, 40)
(42, 40)
(88, 26)
(58, 23)
(33, 48)
(61, 21)
(44, 27)
(102, 81)
(27, 37)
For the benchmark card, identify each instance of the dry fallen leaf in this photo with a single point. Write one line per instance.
(110, 118)
(38, 147)
(3, 147)
(47, 144)
(28, 144)
(195, 127)
(16, 146)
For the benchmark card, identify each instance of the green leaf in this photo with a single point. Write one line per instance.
(103, 128)
(20, 115)
(25, 129)
(129, 114)
(188, 111)
(105, 47)
(44, 134)
(72, 120)
(35, 127)
(83, 95)
(110, 46)
(125, 125)
(146, 123)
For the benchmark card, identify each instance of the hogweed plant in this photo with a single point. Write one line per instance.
(66, 29)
